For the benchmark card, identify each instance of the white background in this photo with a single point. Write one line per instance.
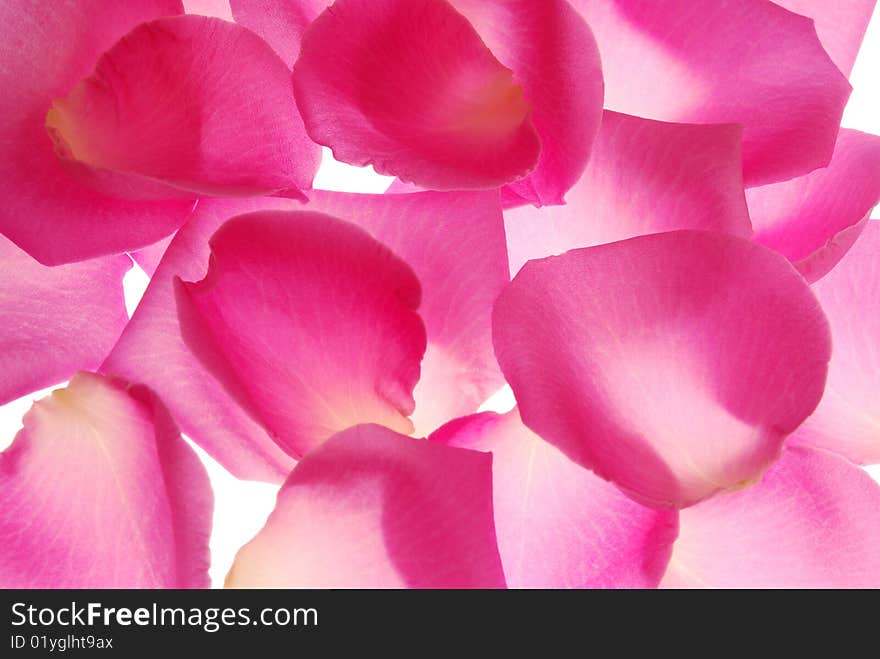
(241, 507)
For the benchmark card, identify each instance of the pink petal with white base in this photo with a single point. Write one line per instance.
(847, 420)
(813, 220)
(813, 521)
(374, 509)
(559, 525)
(701, 61)
(56, 321)
(100, 491)
(673, 364)
(310, 323)
(643, 177)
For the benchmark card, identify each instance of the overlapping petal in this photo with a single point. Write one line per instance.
(98, 490)
(310, 323)
(673, 364)
(643, 177)
(847, 420)
(371, 508)
(280, 22)
(559, 525)
(701, 61)
(56, 321)
(813, 220)
(813, 521)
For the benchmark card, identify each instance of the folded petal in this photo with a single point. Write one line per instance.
(228, 126)
(702, 61)
(673, 364)
(310, 323)
(813, 220)
(813, 521)
(45, 49)
(841, 25)
(847, 420)
(98, 490)
(56, 321)
(559, 525)
(643, 177)
(374, 509)
(454, 242)
(410, 88)
(280, 22)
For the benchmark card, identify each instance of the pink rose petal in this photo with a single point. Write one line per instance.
(150, 256)
(310, 323)
(847, 420)
(813, 521)
(673, 364)
(703, 61)
(813, 220)
(644, 177)
(559, 525)
(56, 321)
(374, 509)
(45, 49)
(280, 22)
(99, 491)
(216, 8)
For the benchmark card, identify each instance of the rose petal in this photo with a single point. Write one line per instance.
(56, 321)
(559, 525)
(99, 491)
(229, 125)
(812, 522)
(374, 509)
(410, 88)
(644, 177)
(673, 364)
(847, 420)
(280, 22)
(841, 25)
(45, 48)
(813, 220)
(150, 256)
(311, 324)
(216, 8)
(702, 61)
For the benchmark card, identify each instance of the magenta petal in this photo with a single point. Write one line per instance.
(673, 364)
(813, 220)
(100, 491)
(280, 22)
(847, 420)
(559, 525)
(410, 88)
(229, 125)
(56, 321)
(311, 324)
(374, 509)
(150, 256)
(643, 177)
(45, 49)
(703, 61)
(813, 521)
(841, 25)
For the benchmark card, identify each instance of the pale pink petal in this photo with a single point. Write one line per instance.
(45, 49)
(216, 8)
(310, 323)
(150, 256)
(280, 22)
(813, 220)
(228, 127)
(673, 364)
(56, 321)
(813, 521)
(703, 61)
(554, 57)
(100, 491)
(841, 25)
(454, 242)
(559, 525)
(151, 350)
(643, 177)
(847, 420)
(374, 509)
(410, 88)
